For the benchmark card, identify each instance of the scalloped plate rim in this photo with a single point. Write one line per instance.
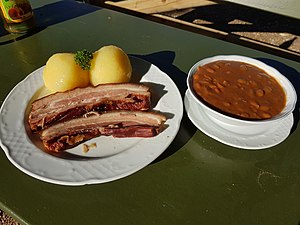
(175, 127)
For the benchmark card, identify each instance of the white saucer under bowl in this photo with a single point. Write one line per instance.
(223, 133)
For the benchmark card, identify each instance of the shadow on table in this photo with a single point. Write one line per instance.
(48, 15)
(164, 61)
(294, 77)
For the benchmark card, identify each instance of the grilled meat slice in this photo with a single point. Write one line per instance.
(74, 103)
(117, 123)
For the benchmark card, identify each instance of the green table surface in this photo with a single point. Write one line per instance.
(197, 180)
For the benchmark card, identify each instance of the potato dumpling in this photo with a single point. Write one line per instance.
(61, 73)
(110, 64)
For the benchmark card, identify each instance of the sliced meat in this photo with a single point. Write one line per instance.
(70, 104)
(118, 123)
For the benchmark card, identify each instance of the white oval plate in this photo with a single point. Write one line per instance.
(112, 159)
(269, 138)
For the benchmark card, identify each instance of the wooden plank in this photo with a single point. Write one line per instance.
(218, 33)
(288, 8)
(158, 6)
(234, 38)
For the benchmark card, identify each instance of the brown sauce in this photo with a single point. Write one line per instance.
(239, 89)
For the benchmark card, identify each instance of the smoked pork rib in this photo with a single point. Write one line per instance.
(65, 105)
(117, 123)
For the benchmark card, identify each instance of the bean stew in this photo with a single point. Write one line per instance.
(239, 89)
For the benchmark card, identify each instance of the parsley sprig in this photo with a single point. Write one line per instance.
(83, 59)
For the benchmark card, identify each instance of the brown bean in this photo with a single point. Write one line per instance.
(243, 67)
(207, 77)
(241, 81)
(227, 104)
(264, 108)
(260, 92)
(204, 82)
(197, 86)
(267, 89)
(259, 76)
(210, 70)
(208, 89)
(200, 69)
(212, 86)
(265, 115)
(215, 81)
(245, 115)
(252, 83)
(254, 104)
(243, 100)
(197, 77)
(263, 75)
(254, 110)
(220, 85)
(225, 83)
(217, 90)
(216, 66)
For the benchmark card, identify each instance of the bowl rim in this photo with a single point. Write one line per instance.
(280, 78)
